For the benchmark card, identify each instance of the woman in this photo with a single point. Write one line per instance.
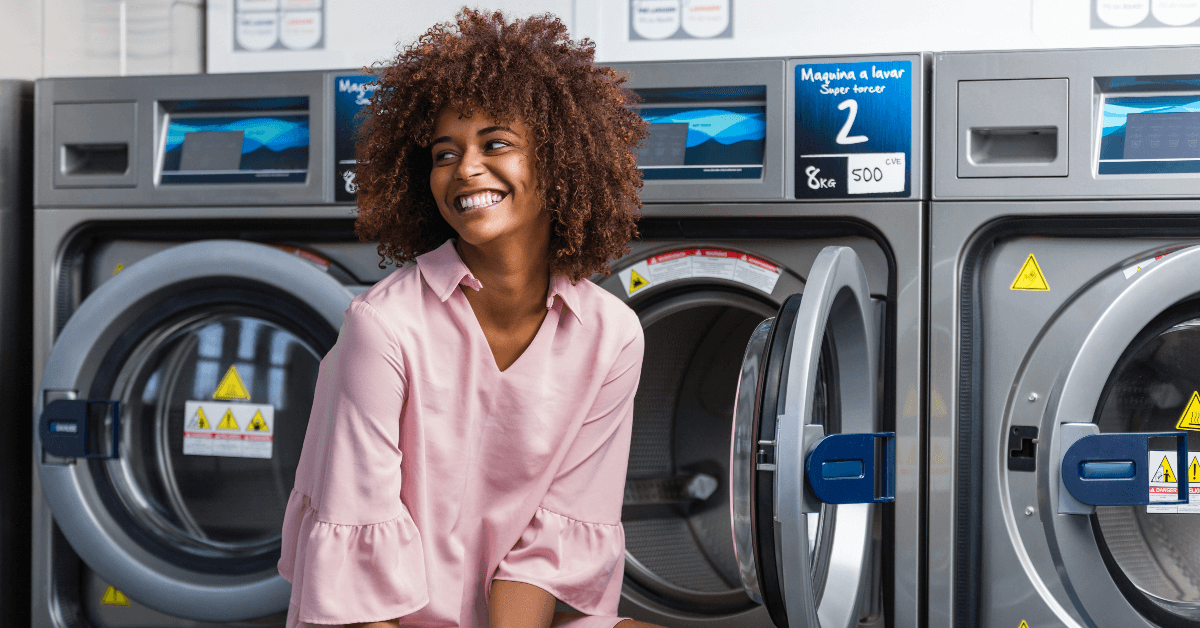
(465, 458)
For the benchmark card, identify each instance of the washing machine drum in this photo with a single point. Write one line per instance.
(177, 399)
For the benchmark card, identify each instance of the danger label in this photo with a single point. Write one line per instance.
(697, 264)
(233, 430)
(1164, 480)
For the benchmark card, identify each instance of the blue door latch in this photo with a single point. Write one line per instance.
(65, 431)
(842, 469)
(1111, 469)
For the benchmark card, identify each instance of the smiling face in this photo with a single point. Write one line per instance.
(484, 182)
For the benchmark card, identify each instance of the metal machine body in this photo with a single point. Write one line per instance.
(1062, 298)
(161, 268)
(790, 210)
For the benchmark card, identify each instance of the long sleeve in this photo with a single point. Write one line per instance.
(575, 546)
(350, 547)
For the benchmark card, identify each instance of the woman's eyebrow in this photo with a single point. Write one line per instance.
(444, 138)
(489, 129)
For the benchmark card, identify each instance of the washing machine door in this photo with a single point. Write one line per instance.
(801, 498)
(1124, 476)
(172, 412)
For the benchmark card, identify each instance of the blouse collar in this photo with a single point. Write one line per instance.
(444, 271)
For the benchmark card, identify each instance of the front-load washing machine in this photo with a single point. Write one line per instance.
(778, 278)
(1064, 328)
(192, 263)
(16, 218)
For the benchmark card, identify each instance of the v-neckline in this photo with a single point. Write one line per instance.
(488, 346)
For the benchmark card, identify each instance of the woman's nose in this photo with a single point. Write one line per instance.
(469, 165)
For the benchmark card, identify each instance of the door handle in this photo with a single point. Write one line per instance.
(844, 469)
(64, 427)
(1111, 469)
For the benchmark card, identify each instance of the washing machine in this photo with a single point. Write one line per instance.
(1064, 283)
(16, 218)
(779, 282)
(194, 253)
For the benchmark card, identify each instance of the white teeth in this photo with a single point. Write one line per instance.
(479, 199)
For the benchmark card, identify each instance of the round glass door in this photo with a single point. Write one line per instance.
(813, 364)
(1155, 556)
(211, 512)
(190, 509)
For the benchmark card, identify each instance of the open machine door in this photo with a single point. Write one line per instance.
(170, 418)
(805, 464)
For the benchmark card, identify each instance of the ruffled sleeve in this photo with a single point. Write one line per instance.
(350, 547)
(574, 547)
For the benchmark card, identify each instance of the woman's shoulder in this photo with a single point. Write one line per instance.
(400, 291)
(606, 311)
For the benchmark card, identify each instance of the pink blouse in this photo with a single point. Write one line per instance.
(427, 472)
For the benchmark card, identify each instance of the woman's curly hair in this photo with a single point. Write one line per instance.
(582, 128)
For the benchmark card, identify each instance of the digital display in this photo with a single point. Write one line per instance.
(704, 133)
(1150, 135)
(236, 149)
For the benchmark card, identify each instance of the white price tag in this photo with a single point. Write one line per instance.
(873, 173)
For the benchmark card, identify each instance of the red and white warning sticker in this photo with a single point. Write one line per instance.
(233, 430)
(1164, 478)
(700, 263)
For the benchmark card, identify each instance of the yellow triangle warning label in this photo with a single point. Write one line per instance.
(120, 267)
(228, 422)
(636, 282)
(231, 386)
(113, 597)
(199, 421)
(1023, 624)
(1190, 419)
(1164, 473)
(257, 424)
(1030, 277)
(1194, 471)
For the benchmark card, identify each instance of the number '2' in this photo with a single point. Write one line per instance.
(843, 136)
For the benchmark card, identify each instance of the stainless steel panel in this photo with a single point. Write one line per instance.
(1082, 68)
(1012, 128)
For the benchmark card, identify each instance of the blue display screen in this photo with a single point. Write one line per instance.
(704, 143)
(236, 149)
(1150, 135)
(704, 133)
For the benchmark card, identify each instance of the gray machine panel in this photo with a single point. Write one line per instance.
(767, 73)
(921, 66)
(1014, 100)
(104, 139)
(1000, 358)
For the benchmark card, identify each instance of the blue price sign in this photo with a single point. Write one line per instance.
(853, 129)
(350, 94)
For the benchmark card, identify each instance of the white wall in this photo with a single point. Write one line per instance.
(41, 38)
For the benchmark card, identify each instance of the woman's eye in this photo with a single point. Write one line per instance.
(495, 144)
(442, 155)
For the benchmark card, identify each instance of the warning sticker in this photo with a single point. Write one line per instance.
(1164, 482)
(244, 430)
(113, 597)
(1132, 270)
(118, 268)
(1190, 419)
(1030, 277)
(231, 386)
(1023, 624)
(700, 263)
